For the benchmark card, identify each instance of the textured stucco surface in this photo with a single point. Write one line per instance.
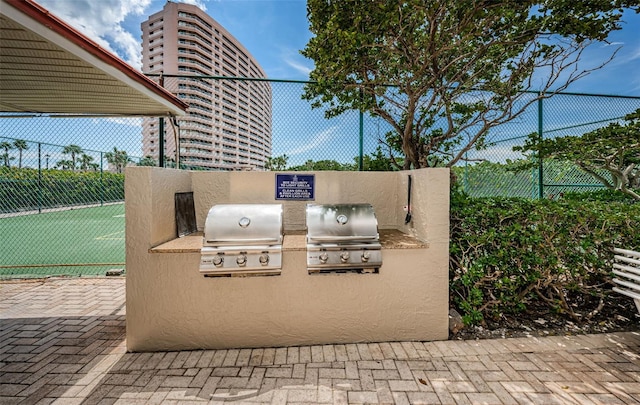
(170, 306)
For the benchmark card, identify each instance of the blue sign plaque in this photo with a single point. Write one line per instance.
(295, 186)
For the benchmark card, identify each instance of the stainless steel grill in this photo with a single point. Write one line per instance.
(242, 239)
(342, 238)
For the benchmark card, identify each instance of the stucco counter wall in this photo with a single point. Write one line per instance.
(171, 306)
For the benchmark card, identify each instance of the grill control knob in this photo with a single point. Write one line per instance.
(241, 260)
(344, 257)
(264, 259)
(342, 219)
(323, 257)
(217, 260)
(365, 256)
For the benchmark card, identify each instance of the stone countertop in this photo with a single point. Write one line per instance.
(293, 241)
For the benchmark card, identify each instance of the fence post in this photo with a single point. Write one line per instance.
(361, 146)
(161, 131)
(540, 138)
(39, 178)
(161, 142)
(101, 180)
(465, 176)
(360, 134)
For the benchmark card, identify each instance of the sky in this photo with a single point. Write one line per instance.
(274, 31)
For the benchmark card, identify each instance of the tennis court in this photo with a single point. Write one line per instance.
(75, 242)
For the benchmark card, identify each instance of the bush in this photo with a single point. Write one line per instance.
(23, 189)
(509, 255)
(603, 195)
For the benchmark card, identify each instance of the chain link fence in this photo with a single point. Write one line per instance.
(62, 181)
(488, 172)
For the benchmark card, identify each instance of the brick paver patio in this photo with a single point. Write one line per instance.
(62, 341)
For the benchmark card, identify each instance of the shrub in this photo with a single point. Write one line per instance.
(23, 189)
(509, 255)
(603, 195)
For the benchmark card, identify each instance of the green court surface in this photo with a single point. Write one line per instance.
(74, 242)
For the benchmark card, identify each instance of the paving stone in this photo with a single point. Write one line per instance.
(351, 369)
(385, 374)
(421, 379)
(299, 371)
(365, 364)
(293, 355)
(305, 354)
(362, 397)
(352, 353)
(400, 398)
(317, 355)
(484, 398)
(387, 351)
(245, 371)
(420, 365)
(609, 399)
(231, 357)
(256, 357)
(501, 393)
(303, 395)
(376, 352)
(233, 382)
(200, 378)
(364, 352)
(177, 382)
(290, 382)
(268, 356)
(243, 357)
(225, 371)
(426, 398)
(311, 376)
(403, 385)
(341, 353)
(62, 341)
(280, 372)
(332, 373)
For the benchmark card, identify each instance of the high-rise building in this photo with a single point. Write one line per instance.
(228, 122)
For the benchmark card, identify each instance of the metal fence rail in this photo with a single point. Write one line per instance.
(61, 175)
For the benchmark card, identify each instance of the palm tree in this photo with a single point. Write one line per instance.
(21, 145)
(118, 159)
(85, 162)
(277, 163)
(147, 161)
(74, 151)
(5, 156)
(64, 164)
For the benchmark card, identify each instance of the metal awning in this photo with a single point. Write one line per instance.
(46, 66)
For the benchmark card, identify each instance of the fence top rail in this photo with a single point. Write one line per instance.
(265, 79)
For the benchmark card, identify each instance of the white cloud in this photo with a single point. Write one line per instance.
(293, 59)
(135, 122)
(198, 3)
(635, 53)
(316, 141)
(102, 21)
(298, 66)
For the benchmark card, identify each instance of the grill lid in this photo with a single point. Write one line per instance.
(341, 223)
(243, 224)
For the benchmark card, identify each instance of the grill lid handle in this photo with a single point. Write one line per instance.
(243, 241)
(342, 238)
